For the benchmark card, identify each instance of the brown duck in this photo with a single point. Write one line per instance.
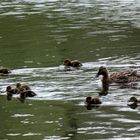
(73, 63)
(118, 77)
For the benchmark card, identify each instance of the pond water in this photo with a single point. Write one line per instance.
(36, 36)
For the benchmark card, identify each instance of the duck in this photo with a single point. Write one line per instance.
(4, 71)
(25, 93)
(133, 102)
(9, 92)
(73, 63)
(20, 87)
(93, 100)
(118, 77)
(133, 99)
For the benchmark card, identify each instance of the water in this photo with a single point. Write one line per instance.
(36, 36)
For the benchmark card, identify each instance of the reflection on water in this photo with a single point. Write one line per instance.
(36, 36)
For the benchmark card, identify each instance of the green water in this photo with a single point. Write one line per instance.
(36, 36)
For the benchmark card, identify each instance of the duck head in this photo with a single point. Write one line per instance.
(18, 85)
(88, 99)
(102, 71)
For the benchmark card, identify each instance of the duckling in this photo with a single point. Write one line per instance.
(12, 90)
(74, 63)
(9, 93)
(4, 71)
(26, 93)
(118, 77)
(134, 100)
(93, 100)
(19, 87)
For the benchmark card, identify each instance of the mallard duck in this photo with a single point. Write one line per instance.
(118, 77)
(4, 71)
(73, 63)
(93, 100)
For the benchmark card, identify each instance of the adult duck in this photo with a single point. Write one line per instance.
(118, 77)
(73, 63)
(122, 78)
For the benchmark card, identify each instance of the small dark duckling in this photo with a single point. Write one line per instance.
(26, 93)
(9, 93)
(12, 90)
(4, 71)
(93, 100)
(74, 63)
(133, 102)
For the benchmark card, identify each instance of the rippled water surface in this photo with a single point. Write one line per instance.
(36, 36)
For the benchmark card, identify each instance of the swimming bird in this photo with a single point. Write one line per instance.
(133, 99)
(26, 93)
(133, 102)
(12, 90)
(4, 71)
(21, 87)
(118, 77)
(9, 92)
(73, 63)
(93, 100)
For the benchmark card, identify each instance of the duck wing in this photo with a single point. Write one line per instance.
(124, 76)
(118, 77)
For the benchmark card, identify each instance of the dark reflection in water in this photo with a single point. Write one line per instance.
(37, 36)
